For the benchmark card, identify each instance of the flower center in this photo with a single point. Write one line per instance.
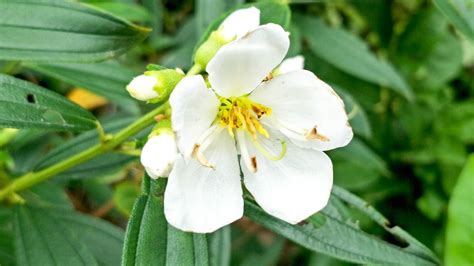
(242, 113)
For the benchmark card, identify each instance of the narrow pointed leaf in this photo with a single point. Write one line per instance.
(460, 13)
(150, 240)
(413, 245)
(57, 30)
(103, 239)
(351, 55)
(220, 247)
(107, 79)
(145, 240)
(331, 236)
(41, 240)
(26, 105)
(460, 229)
(7, 253)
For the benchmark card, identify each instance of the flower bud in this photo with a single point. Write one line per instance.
(154, 86)
(236, 25)
(158, 154)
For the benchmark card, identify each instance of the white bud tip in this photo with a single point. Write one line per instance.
(141, 88)
(158, 155)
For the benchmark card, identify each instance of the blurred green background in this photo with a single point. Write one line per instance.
(406, 75)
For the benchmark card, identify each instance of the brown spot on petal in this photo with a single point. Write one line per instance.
(313, 134)
(253, 163)
(246, 35)
(268, 77)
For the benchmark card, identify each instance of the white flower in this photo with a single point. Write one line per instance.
(279, 126)
(240, 22)
(291, 64)
(158, 155)
(143, 87)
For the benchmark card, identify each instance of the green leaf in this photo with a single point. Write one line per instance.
(155, 8)
(145, 239)
(102, 238)
(128, 11)
(220, 247)
(269, 256)
(460, 13)
(28, 147)
(125, 195)
(413, 245)
(153, 67)
(7, 256)
(41, 240)
(24, 104)
(270, 12)
(185, 41)
(357, 116)
(432, 61)
(460, 229)
(358, 152)
(366, 93)
(107, 79)
(48, 194)
(331, 236)
(209, 10)
(56, 30)
(350, 54)
(100, 165)
(186, 248)
(151, 241)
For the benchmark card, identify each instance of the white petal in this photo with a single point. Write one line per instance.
(293, 188)
(158, 155)
(291, 64)
(201, 199)
(141, 88)
(193, 108)
(238, 67)
(300, 104)
(240, 22)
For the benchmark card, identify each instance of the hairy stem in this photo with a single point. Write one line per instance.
(33, 178)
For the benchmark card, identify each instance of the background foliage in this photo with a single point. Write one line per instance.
(405, 69)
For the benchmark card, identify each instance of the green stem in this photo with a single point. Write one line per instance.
(195, 69)
(33, 178)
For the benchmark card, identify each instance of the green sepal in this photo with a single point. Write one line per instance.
(151, 67)
(209, 48)
(162, 127)
(167, 80)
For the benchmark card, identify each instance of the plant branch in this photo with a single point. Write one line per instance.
(33, 178)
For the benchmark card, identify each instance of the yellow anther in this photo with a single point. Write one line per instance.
(242, 113)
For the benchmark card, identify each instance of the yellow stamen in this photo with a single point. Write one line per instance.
(242, 113)
(268, 155)
(197, 154)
